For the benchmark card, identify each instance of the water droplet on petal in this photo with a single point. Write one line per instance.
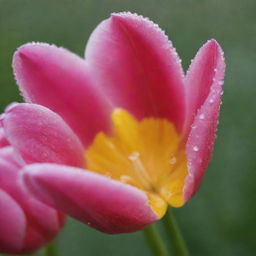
(196, 148)
(211, 100)
(201, 116)
(167, 46)
(108, 175)
(167, 194)
(134, 156)
(173, 160)
(212, 89)
(125, 179)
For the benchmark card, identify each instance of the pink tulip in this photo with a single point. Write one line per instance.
(25, 223)
(120, 135)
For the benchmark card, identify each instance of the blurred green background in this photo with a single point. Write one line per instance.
(221, 218)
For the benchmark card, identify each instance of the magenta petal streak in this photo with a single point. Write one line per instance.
(206, 74)
(3, 140)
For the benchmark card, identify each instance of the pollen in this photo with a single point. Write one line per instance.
(145, 154)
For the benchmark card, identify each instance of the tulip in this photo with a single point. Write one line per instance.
(25, 223)
(115, 138)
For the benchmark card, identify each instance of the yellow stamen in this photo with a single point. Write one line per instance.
(144, 154)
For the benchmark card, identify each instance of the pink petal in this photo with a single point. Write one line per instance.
(137, 67)
(199, 78)
(58, 79)
(40, 135)
(98, 201)
(12, 224)
(202, 135)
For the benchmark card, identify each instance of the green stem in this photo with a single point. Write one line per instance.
(175, 236)
(154, 241)
(50, 249)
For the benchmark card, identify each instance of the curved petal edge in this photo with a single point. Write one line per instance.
(141, 71)
(105, 204)
(59, 80)
(201, 137)
(40, 135)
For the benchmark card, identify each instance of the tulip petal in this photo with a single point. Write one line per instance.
(207, 65)
(12, 224)
(40, 135)
(98, 201)
(202, 134)
(137, 67)
(58, 79)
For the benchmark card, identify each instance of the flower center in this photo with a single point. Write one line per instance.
(144, 154)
